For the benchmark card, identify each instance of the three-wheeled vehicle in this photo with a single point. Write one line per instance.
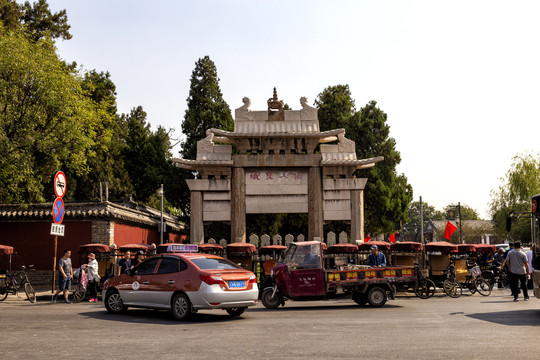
(340, 256)
(242, 254)
(268, 258)
(438, 254)
(364, 249)
(302, 275)
(214, 249)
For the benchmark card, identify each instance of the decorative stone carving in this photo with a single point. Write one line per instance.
(345, 145)
(223, 243)
(307, 112)
(211, 241)
(331, 238)
(265, 240)
(301, 237)
(288, 239)
(275, 108)
(254, 239)
(343, 238)
(277, 240)
(243, 113)
(206, 145)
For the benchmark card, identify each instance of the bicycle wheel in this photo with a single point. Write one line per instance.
(483, 287)
(79, 293)
(30, 293)
(489, 277)
(3, 296)
(425, 289)
(471, 285)
(452, 288)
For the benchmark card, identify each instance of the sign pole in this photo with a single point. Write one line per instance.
(54, 264)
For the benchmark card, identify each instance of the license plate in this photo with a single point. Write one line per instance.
(236, 284)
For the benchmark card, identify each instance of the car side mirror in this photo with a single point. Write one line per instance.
(129, 272)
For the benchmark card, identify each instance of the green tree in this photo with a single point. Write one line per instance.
(335, 107)
(35, 19)
(46, 121)
(521, 183)
(205, 107)
(411, 230)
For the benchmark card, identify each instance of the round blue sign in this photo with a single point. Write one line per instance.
(58, 211)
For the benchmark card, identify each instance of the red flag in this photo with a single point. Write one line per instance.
(450, 228)
(392, 238)
(367, 238)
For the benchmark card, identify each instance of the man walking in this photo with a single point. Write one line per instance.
(65, 274)
(518, 270)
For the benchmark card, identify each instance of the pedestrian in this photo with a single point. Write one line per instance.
(125, 263)
(530, 254)
(93, 277)
(139, 257)
(65, 274)
(518, 267)
(376, 258)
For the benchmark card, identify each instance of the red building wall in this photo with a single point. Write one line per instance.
(32, 244)
(130, 234)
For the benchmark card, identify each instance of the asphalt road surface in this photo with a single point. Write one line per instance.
(470, 327)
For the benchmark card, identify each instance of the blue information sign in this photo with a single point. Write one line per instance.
(58, 211)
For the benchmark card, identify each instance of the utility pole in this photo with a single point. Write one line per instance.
(459, 214)
(161, 224)
(422, 235)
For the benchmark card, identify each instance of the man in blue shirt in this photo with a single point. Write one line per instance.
(376, 258)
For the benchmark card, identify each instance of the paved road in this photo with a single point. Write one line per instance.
(471, 327)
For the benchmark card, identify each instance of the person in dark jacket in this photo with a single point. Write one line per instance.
(376, 258)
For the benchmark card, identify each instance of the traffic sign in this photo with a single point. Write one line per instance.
(60, 184)
(57, 229)
(58, 211)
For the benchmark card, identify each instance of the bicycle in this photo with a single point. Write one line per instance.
(451, 286)
(15, 282)
(475, 282)
(425, 288)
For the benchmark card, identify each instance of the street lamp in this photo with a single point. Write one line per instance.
(161, 223)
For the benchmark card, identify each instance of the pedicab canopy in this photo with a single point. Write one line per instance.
(442, 246)
(342, 248)
(241, 248)
(485, 248)
(466, 248)
(6, 250)
(136, 247)
(269, 249)
(94, 248)
(406, 246)
(211, 248)
(382, 245)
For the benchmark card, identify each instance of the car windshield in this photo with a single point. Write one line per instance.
(286, 258)
(214, 264)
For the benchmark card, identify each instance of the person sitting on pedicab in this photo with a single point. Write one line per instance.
(376, 258)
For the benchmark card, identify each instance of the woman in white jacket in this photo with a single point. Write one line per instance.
(93, 277)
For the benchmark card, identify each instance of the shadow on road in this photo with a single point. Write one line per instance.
(511, 317)
(160, 317)
(322, 307)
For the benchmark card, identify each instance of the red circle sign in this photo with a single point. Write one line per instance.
(534, 206)
(60, 184)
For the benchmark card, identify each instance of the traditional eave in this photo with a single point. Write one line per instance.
(196, 164)
(309, 135)
(359, 164)
(129, 212)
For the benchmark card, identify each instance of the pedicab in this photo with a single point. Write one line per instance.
(364, 250)
(341, 256)
(7, 250)
(148, 249)
(467, 271)
(438, 259)
(106, 268)
(16, 281)
(408, 253)
(242, 254)
(268, 258)
(490, 272)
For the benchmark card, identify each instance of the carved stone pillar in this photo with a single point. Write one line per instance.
(196, 219)
(357, 215)
(238, 205)
(315, 204)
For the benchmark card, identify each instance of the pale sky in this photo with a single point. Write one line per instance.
(459, 80)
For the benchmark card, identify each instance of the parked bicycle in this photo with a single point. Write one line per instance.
(79, 293)
(475, 282)
(15, 282)
(451, 286)
(425, 288)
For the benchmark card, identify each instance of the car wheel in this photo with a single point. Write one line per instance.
(268, 301)
(114, 303)
(376, 296)
(181, 306)
(236, 311)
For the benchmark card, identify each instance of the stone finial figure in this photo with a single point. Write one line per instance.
(205, 146)
(243, 113)
(275, 108)
(307, 112)
(345, 145)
